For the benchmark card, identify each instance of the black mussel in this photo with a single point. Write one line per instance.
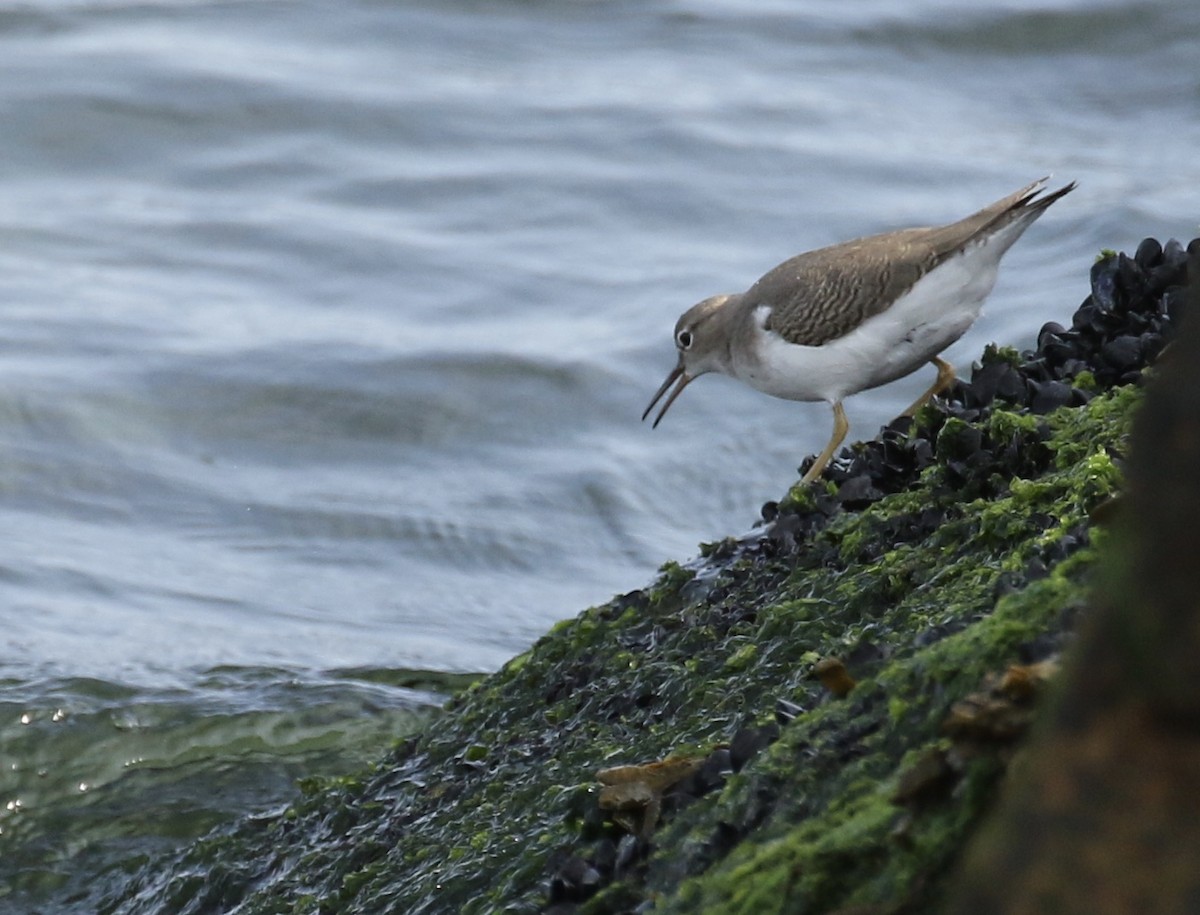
(1049, 396)
(1149, 253)
(859, 491)
(1104, 283)
(1122, 353)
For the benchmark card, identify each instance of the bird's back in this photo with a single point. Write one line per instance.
(821, 295)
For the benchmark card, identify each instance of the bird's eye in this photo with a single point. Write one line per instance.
(684, 339)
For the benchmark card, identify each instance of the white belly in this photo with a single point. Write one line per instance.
(929, 317)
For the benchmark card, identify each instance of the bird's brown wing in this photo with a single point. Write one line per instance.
(824, 294)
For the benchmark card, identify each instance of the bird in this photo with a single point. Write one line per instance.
(852, 316)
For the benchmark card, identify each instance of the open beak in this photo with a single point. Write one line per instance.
(684, 380)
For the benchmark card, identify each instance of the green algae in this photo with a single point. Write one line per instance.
(476, 813)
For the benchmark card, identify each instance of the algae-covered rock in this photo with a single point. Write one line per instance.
(928, 563)
(1103, 815)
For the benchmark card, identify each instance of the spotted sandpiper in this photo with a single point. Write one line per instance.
(832, 322)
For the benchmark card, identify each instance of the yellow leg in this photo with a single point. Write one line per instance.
(945, 377)
(840, 428)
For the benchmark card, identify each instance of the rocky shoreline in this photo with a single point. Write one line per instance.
(815, 717)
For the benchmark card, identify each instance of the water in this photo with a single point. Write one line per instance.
(325, 328)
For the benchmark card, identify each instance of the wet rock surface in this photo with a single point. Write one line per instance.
(928, 562)
(1102, 816)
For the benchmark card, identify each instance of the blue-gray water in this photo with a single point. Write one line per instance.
(325, 329)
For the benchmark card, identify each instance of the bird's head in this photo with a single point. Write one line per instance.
(702, 340)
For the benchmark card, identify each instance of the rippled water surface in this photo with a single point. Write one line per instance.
(325, 329)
